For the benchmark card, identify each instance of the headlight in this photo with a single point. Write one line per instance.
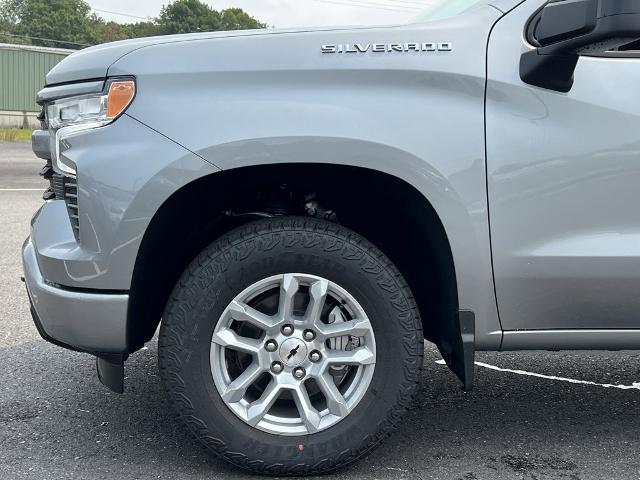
(69, 116)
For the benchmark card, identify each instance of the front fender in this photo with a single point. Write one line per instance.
(418, 116)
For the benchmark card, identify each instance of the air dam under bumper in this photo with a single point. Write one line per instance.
(90, 322)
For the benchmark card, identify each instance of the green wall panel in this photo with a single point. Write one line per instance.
(22, 74)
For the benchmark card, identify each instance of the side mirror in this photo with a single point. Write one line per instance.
(565, 29)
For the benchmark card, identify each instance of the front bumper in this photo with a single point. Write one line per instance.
(86, 321)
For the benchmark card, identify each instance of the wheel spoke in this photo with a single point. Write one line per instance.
(359, 356)
(356, 328)
(288, 289)
(244, 313)
(335, 401)
(229, 339)
(336, 315)
(238, 388)
(309, 415)
(317, 298)
(258, 409)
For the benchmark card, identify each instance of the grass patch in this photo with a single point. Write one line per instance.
(14, 135)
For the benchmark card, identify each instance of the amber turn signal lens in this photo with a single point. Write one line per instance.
(119, 97)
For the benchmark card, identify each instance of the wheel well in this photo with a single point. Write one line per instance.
(387, 211)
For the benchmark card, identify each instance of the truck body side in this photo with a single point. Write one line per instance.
(413, 113)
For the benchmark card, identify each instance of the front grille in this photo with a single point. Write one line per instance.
(70, 190)
(64, 188)
(57, 185)
(42, 116)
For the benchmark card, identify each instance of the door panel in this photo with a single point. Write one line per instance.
(563, 186)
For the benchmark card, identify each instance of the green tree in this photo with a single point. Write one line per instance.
(70, 23)
(62, 20)
(238, 19)
(103, 32)
(185, 16)
(8, 13)
(5, 28)
(142, 29)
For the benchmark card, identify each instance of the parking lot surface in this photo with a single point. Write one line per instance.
(57, 421)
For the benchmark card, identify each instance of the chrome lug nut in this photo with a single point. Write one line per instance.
(271, 345)
(287, 330)
(299, 372)
(315, 356)
(276, 367)
(308, 335)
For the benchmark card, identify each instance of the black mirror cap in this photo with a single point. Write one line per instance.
(565, 29)
(564, 19)
(553, 72)
(580, 26)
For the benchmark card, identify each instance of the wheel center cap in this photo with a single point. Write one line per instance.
(293, 352)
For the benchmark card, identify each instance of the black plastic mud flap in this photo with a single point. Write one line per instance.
(459, 353)
(111, 373)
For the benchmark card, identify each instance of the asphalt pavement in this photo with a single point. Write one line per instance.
(57, 421)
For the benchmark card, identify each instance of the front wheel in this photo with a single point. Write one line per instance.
(291, 346)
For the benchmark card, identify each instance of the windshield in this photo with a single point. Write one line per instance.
(448, 8)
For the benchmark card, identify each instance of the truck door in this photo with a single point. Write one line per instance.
(563, 173)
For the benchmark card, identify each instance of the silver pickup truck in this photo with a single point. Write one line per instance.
(299, 210)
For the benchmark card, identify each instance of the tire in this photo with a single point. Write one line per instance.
(267, 249)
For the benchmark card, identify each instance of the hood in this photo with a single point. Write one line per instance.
(93, 63)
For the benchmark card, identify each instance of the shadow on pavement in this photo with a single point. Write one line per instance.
(56, 420)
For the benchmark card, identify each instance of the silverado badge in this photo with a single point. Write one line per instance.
(388, 47)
